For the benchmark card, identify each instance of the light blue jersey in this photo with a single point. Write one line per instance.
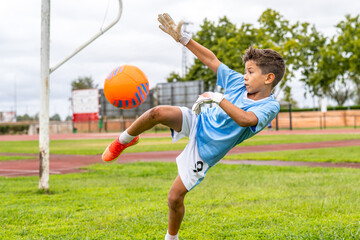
(217, 133)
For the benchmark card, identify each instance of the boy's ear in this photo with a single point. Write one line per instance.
(270, 77)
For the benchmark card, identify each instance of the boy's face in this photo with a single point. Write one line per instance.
(255, 81)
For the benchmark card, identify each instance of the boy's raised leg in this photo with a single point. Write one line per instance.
(167, 115)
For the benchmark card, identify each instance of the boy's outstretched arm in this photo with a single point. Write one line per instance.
(202, 53)
(241, 117)
(244, 119)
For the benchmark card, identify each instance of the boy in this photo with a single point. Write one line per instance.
(246, 107)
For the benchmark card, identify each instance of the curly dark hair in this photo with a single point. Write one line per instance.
(268, 60)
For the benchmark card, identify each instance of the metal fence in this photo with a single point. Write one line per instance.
(109, 111)
(283, 121)
(186, 93)
(176, 94)
(317, 120)
(115, 119)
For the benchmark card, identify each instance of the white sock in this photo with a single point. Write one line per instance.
(171, 237)
(125, 137)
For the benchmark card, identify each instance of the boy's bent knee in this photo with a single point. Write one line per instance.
(156, 113)
(175, 200)
(167, 115)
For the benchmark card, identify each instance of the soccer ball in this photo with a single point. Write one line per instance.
(126, 87)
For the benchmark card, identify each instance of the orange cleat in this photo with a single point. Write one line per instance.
(113, 151)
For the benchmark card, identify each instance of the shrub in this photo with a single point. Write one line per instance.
(14, 129)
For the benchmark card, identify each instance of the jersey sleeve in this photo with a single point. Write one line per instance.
(227, 77)
(265, 114)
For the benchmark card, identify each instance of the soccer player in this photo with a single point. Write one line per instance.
(246, 107)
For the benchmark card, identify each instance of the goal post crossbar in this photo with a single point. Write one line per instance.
(81, 47)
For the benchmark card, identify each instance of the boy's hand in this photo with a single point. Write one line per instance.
(168, 25)
(207, 97)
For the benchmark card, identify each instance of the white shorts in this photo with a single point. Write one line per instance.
(191, 167)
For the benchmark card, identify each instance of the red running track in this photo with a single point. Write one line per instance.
(62, 164)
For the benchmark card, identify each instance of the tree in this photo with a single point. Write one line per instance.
(222, 39)
(348, 48)
(288, 97)
(24, 118)
(229, 43)
(314, 59)
(69, 118)
(174, 77)
(336, 71)
(83, 83)
(277, 33)
(340, 93)
(356, 93)
(55, 117)
(321, 63)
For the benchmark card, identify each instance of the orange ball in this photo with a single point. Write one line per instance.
(126, 87)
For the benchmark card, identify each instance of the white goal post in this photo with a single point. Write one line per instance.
(45, 71)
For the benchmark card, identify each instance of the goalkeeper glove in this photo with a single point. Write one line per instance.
(168, 25)
(207, 97)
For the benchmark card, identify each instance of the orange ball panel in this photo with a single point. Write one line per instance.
(126, 87)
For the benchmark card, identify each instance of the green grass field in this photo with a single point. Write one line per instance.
(233, 202)
(97, 146)
(335, 155)
(7, 158)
